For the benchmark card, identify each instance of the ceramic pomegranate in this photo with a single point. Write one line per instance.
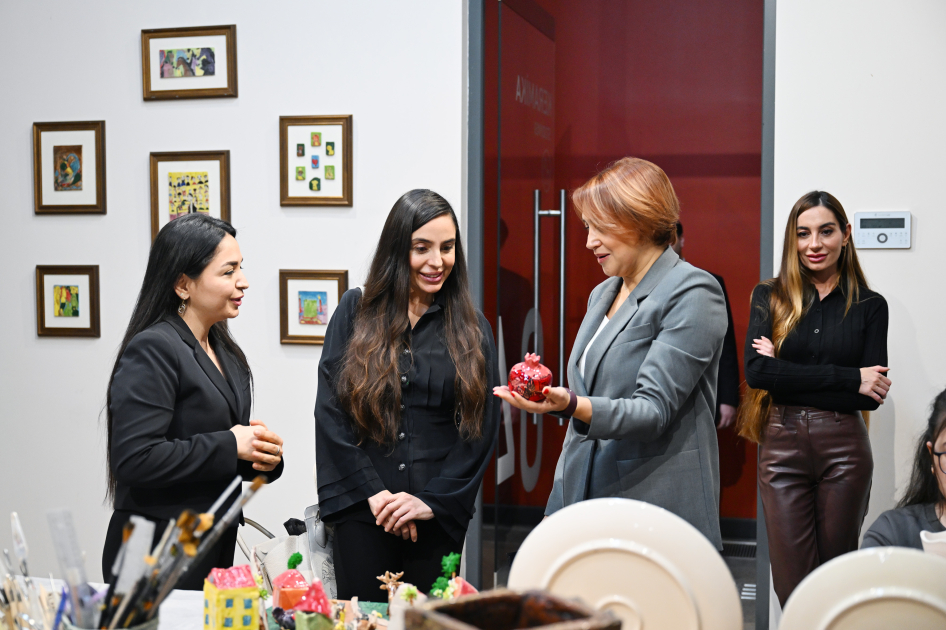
(529, 378)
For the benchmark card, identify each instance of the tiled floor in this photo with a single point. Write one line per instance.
(742, 568)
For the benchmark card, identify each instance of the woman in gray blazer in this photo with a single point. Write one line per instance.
(643, 367)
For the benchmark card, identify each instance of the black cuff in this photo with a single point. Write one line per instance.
(568, 411)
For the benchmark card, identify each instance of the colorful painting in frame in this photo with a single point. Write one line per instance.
(307, 301)
(330, 139)
(188, 182)
(192, 62)
(67, 301)
(69, 167)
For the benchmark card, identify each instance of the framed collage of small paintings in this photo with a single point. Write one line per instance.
(307, 301)
(191, 62)
(69, 167)
(315, 160)
(67, 301)
(186, 182)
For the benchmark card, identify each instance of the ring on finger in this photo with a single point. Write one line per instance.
(278, 449)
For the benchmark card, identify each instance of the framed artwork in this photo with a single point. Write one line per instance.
(69, 167)
(184, 182)
(315, 160)
(307, 301)
(192, 62)
(67, 301)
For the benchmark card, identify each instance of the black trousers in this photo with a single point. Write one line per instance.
(362, 551)
(220, 556)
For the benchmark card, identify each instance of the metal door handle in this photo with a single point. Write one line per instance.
(560, 213)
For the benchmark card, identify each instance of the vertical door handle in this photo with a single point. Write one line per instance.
(560, 213)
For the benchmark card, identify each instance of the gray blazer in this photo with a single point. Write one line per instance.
(651, 379)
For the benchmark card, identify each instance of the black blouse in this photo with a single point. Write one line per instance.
(820, 360)
(429, 459)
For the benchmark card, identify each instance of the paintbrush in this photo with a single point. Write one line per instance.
(210, 539)
(111, 599)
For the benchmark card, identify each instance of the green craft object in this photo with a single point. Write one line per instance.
(294, 560)
(450, 564)
(312, 621)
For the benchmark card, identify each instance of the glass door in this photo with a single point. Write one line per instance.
(523, 263)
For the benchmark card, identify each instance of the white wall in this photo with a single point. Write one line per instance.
(859, 102)
(397, 67)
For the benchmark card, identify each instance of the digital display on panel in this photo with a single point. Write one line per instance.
(872, 224)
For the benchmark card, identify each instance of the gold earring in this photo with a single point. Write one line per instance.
(182, 308)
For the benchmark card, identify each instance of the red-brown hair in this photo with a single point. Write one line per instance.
(632, 197)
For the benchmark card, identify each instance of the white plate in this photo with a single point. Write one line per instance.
(871, 589)
(647, 565)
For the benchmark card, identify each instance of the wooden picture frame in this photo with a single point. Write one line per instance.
(305, 178)
(79, 187)
(318, 285)
(183, 189)
(76, 313)
(200, 75)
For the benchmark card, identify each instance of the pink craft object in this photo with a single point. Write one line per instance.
(529, 378)
(462, 587)
(288, 588)
(234, 577)
(315, 600)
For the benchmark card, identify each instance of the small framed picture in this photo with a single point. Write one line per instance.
(185, 182)
(330, 148)
(67, 301)
(69, 167)
(307, 301)
(192, 62)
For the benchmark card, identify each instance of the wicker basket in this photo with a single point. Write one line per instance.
(507, 610)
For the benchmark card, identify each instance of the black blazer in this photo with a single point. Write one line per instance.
(172, 411)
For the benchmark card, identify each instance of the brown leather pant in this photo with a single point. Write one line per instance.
(815, 471)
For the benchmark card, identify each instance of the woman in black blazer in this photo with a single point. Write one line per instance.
(179, 395)
(404, 422)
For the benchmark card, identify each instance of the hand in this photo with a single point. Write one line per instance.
(378, 501)
(727, 416)
(409, 531)
(400, 509)
(556, 399)
(874, 383)
(764, 346)
(259, 445)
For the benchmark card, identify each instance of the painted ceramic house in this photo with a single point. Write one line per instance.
(231, 599)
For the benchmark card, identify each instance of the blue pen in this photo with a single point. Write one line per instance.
(61, 610)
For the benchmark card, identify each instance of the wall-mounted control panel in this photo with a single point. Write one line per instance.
(882, 230)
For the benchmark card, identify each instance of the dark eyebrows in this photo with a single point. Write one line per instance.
(449, 241)
(824, 225)
(232, 263)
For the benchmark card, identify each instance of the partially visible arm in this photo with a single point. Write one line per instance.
(345, 472)
(688, 337)
(880, 534)
(144, 393)
(727, 387)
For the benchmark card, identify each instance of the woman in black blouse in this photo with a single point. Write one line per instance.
(815, 356)
(405, 425)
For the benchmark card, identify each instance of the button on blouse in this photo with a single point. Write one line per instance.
(428, 459)
(819, 362)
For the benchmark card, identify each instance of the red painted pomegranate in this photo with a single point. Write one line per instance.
(529, 378)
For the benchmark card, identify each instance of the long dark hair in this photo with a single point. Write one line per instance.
(183, 246)
(368, 384)
(923, 487)
(792, 295)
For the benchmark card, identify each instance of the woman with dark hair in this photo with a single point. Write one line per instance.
(178, 402)
(923, 506)
(815, 357)
(404, 423)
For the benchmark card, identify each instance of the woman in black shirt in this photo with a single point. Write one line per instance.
(404, 424)
(815, 355)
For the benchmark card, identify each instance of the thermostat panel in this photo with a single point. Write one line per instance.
(882, 230)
